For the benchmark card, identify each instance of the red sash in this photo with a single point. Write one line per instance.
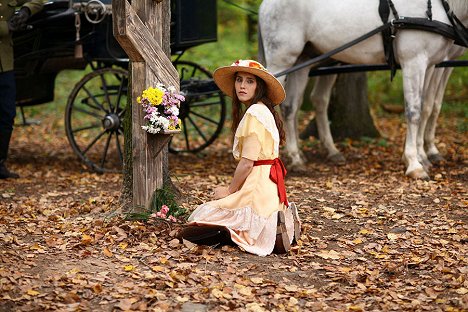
(277, 174)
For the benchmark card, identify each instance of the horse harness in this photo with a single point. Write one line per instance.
(456, 31)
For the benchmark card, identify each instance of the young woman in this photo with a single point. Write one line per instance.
(253, 210)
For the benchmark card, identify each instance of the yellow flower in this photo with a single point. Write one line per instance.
(139, 100)
(154, 95)
(173, 126)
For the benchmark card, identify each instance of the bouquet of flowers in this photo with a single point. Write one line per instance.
(161, 106)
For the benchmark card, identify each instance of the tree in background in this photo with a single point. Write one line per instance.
(348, 111)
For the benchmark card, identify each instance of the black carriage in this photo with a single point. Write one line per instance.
(79, 35)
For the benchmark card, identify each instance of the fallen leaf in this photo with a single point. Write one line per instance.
(129, 267)
(32, 292)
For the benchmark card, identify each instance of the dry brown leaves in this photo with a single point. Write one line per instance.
(373, 239)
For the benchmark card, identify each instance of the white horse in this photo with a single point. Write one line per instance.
(431, 109)
(286, 27)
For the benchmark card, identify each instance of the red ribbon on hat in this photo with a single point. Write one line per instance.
(277, 174)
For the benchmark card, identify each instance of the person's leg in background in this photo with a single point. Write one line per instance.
(7, 116)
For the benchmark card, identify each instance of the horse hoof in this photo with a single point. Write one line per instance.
(436, 159)
(337, 159)
(426, 165)
(418, 174)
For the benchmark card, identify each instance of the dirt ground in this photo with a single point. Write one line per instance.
(373, 240)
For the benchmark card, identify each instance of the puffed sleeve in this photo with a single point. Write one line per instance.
(249, 138)
(251, 147)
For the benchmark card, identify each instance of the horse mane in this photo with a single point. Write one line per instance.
(458, 6)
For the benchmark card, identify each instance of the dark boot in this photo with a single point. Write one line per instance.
(5, 136)
(209, 235)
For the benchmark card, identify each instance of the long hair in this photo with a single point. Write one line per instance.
(260, 95)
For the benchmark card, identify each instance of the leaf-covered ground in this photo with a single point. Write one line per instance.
(373, 239)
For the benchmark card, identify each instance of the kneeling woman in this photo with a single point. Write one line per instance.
(253, 210)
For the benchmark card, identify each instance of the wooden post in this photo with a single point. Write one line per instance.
(142, 29)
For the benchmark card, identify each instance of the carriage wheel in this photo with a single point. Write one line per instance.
(93, 118)
(203, 111)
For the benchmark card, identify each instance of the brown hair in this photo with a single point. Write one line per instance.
(259, 96)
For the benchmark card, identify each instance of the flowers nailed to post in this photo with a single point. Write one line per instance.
(161, 106)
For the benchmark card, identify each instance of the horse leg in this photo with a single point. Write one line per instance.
(320, 96)
(294, 86)
(433, 153)
(413, 85)
(278, 57)
(431, 82)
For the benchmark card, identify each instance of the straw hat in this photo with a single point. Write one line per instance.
(224, 77)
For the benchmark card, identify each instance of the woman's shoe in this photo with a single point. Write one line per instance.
(282, 244)
(297, 222)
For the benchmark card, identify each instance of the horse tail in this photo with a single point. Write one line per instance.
(261, 49)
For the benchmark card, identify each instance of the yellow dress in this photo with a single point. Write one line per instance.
(250, 214)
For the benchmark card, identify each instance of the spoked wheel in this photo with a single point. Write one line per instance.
(203, 111)
(93, 118)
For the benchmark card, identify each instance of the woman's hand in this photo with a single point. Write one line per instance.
(243, 169)
(221, 192)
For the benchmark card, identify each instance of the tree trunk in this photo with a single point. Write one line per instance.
(348, 111)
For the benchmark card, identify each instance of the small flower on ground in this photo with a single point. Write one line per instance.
(164, 209)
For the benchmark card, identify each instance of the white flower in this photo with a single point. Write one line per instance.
(171, 89)
(160, 86)
(174, 110)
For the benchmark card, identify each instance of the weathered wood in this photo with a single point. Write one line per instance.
(139, 137)
(126, 195)
(119, 19)
(166, 47)
(141, 30)
(137, 38)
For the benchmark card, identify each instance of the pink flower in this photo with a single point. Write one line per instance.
(164, 209)
(172, 218)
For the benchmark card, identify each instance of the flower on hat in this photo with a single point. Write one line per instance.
(250, 64)
(256, 65)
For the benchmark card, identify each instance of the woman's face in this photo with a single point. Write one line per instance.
(245, 85)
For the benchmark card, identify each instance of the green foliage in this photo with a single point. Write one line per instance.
(233, 40)
(163, 196)
(382, 142)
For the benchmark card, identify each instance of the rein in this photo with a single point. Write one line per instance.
(460, 30)
(324, 57)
